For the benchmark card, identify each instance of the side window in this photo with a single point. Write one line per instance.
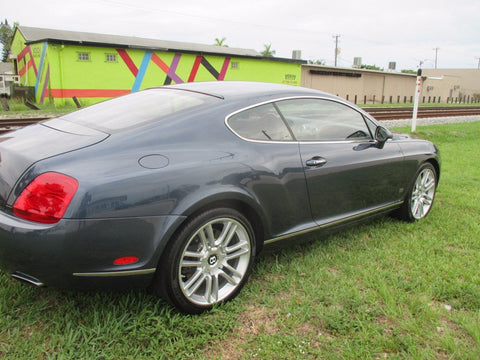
(323, 120)
(260, 123)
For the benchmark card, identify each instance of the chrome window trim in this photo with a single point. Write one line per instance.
(296, 142)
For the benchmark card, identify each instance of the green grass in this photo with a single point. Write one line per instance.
(19, 109)
(381, 290)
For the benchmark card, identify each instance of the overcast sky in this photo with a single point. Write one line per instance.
(404, 31)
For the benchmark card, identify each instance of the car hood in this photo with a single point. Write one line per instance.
(400, 136)
(20, 149)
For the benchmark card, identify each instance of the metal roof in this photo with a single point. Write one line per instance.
(33, 35)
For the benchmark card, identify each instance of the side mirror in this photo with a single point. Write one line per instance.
(382, 134)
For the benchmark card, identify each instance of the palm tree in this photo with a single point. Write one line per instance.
(220, 42)
(268, 52)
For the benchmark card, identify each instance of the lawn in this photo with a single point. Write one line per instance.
(381, 290)
(19, 109)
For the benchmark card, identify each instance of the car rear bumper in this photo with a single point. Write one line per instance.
(80, 253)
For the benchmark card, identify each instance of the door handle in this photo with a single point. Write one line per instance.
(316, 161)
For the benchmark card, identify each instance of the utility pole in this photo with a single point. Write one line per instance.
(336, 47)
(436, 55)
(478, 66)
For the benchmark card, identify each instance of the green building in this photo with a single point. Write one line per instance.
(92, 67)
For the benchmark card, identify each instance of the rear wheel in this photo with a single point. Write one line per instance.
(420, 198)
(208, 262)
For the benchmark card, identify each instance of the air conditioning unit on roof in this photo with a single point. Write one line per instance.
(357, 62)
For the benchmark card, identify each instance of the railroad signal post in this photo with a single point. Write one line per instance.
(417, 96)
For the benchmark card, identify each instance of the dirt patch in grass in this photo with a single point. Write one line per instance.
(387, 325)
(253, 321)
(264, 320)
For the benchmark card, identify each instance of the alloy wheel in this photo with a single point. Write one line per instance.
(214, 261)
(423, 193)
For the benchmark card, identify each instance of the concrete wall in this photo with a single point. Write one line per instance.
(451, 83)
(369, 86)
(366, 85)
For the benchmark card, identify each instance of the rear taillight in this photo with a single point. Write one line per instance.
(46, 198)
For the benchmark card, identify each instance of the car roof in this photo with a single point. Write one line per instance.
(235, 90)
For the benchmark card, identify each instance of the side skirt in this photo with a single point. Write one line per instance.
(339, 222)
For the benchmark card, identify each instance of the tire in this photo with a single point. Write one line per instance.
(208, 261)
(419, 199)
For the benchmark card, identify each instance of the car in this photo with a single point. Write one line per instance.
(178, 188)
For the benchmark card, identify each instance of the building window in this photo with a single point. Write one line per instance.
(111, 57)
(234, 65)
(83, 56)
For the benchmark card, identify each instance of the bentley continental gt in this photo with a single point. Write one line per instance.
(179, 187)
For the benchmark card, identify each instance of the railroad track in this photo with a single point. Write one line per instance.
(423, 112)
(7, 125)
(385, 113)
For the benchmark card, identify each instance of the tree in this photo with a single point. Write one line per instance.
(220, 42)
(6, 34)
(317, 62)
(268, 52)
(408, 71)
(371, 67)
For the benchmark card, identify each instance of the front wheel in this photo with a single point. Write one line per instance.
(420, 198)
(208, 262)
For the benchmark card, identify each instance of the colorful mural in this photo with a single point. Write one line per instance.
(59, 71)
(169, 71)
(30, 74)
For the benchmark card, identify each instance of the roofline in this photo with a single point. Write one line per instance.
(357, 70)
(172, 49)
(225, 52)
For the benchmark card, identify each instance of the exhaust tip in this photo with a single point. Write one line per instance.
(27, 279)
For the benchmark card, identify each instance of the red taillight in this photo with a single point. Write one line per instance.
(46, 198)
(125, 260)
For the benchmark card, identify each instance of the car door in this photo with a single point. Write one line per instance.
(275, 175)
(346, 174)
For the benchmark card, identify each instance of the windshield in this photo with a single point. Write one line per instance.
(137, 109)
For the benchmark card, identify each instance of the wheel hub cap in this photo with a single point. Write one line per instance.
(212, 260)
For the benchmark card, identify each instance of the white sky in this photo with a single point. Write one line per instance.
(405, 31)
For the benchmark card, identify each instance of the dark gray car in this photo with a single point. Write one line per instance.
(180, 187)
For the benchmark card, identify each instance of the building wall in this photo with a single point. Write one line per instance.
(399, 85)
(366, 85)
(372, 86)
(30, 64)
(451, 83)
(59, 72)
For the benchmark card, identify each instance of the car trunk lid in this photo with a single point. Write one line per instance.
(20, 149)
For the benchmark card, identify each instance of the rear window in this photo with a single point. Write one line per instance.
(138, 109)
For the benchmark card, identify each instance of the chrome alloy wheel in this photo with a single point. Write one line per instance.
(423, 193)
(214, 261)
